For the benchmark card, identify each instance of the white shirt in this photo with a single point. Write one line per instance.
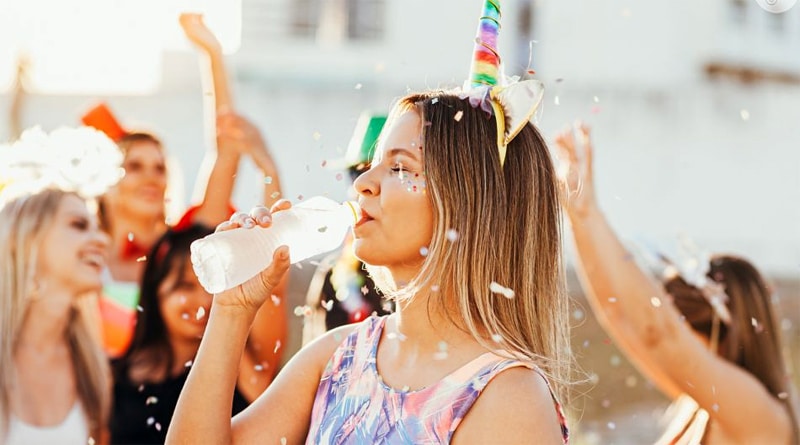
(74, 429)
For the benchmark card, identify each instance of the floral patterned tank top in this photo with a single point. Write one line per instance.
(354, 406)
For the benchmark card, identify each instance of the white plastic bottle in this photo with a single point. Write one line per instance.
(227, 259)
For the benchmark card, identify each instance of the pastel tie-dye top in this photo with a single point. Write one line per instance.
(354, 406)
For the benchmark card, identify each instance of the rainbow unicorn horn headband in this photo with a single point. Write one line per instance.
(513, 103)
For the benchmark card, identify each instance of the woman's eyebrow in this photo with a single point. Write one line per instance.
(402, 151)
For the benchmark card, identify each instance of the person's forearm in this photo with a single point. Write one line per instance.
(203, 413)
(614, 282)
(223, 100)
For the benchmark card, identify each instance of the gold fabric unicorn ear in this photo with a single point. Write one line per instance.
(514, 103)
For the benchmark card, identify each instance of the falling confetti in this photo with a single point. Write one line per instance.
(744, 114)
(339, 176)
(655, 301)
(139, 308)
(605, 403)
(283, 441)
(557, 101)
(276, 300)
(423, 251)
(612, 300)
(324, 163)
(141, 259)
(497, 338)
(152, 400)
(277, 346)
(322, 229)
(258, 368)
(612, 425)
(615, 360)
(130, 236)
(328, 305)
(596, 99)
(631, 381)
(268, 180)
(188, 364)
(316, 135)
(434, 101)
(201, 312)
(435, 288)
(158, 426)
(577, 314)
(275, 195)
(498, 289)
(452, 235)
(302, 311)
(364, 290)
(441, 354)
(458, 116)
(358, 86)
(150, 421)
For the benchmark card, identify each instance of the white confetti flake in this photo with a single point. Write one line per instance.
(158, 426)
(744, 114)
(276, 300)
(458, 116)
(498, 289)
(258, 368)
(201, 312)
(277, 346)
(328, 305)
(497, 338)
(141, 259)
(452, 235)
(150, 421)
(188, 364)
(359, 86)
(152, 400)
(655, 301)
(130, 236)
(557, 101)
(612, 425)
(435, 288)
(268, 180)
(423, 251)
(283, 441)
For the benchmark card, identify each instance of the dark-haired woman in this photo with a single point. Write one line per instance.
(170, 325)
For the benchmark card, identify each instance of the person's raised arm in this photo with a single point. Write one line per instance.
(216, 176)
(204, 406)
(643, 321)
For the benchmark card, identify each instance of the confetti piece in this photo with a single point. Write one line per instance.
(90, 441)
(605, 403)
(302, 311)
(615, 360)
(130, 236)
(185, 316)
(744, 114)
(577, 314)
(596, 99)
(140, 388)
(458, 116)
(316, 136)
(268, 180)
(283, 441)
(364, 290)
(158, 426)
(188, 364)
(276, 300)
(324, 163)
(150, 421)
(612, 300)
(497, 338)
(322, 229)
(557, 101)
(631, 381)
(783, 395)
(328, 305)
(423, 251)
(434, 101)
(435, 288)
(406, 388)
(612, 425)
(141, 259)
(152, 400)
(715, 407)
(452, 235)
(258, 368)
(339, 176)
(139, 308)
(498, 289)
(277, 346)
(201, 312)
(655, 301)
(358, 86)
(275, 195)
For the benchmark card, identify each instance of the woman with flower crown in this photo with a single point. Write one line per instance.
(55, 385)
(480, 333)
(707, 338)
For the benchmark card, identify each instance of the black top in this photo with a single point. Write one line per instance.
(142, 413)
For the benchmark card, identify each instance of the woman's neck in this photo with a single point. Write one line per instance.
(142, 231)
(183, 353)
(45, 324)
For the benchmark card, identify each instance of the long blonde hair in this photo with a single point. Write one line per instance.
(508, 226)
(23, 223)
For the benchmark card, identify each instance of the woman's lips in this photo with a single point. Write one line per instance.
(365, 218)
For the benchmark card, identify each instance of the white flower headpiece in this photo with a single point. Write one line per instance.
(82, 160)
(693, 268)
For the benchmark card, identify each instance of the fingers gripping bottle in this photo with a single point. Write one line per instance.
(227, 259)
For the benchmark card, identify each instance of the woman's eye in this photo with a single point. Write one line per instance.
(81, 225)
